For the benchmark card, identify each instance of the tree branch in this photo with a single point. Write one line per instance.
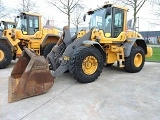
(128, 2)
(75, 4)
(140, 6)
(59, 8)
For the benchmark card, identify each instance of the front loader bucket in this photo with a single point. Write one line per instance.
(29, 77)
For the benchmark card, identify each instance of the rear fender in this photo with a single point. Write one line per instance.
(128, 45)
(46, 37)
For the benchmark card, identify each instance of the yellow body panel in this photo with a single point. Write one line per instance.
(18, 50)
(114, 53)
(111, 57)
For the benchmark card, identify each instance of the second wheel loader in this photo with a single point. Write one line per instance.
(29, 33)
(4, 25)
(84, 55)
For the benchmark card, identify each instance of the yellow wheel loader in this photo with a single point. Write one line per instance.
(84, 55)
(28, 33)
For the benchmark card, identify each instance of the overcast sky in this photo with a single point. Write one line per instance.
(60, 19)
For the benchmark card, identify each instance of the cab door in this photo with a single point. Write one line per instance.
(33, 24)
(114, 29)
(118, 33)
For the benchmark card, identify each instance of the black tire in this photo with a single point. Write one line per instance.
(47, 49)
(130, 65)
(75, 64)
(6, 58)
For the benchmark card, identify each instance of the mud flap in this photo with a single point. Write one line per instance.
(29, 77)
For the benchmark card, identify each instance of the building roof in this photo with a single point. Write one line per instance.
(147, 34)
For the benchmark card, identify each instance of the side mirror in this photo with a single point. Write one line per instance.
(84, 17)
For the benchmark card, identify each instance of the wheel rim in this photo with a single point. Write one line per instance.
(1, 55)
(138, 60)
(89, 65)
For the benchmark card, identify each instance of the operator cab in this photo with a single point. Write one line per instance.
(28, 23)
(4, 25)
(109, 18)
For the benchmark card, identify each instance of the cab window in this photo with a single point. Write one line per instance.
(118, 22)
(33, 25)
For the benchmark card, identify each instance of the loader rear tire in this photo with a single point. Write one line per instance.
(5, 55)
(47, 49)
(135, 62)
(86, 64)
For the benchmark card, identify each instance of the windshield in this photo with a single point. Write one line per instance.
(21, 23)
(97, 19)
(101, 19)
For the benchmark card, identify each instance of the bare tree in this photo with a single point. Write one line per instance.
(156, 7)
(136, 5)
(27, 6)
(77, 18)
(65, 6)
(3, 10)
(156, 11)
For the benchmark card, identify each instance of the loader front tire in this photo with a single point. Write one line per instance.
(86, 64)
(47, 49)
(5, 55)
(135, 62)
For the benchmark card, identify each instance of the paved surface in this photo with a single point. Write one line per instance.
(115, 95)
